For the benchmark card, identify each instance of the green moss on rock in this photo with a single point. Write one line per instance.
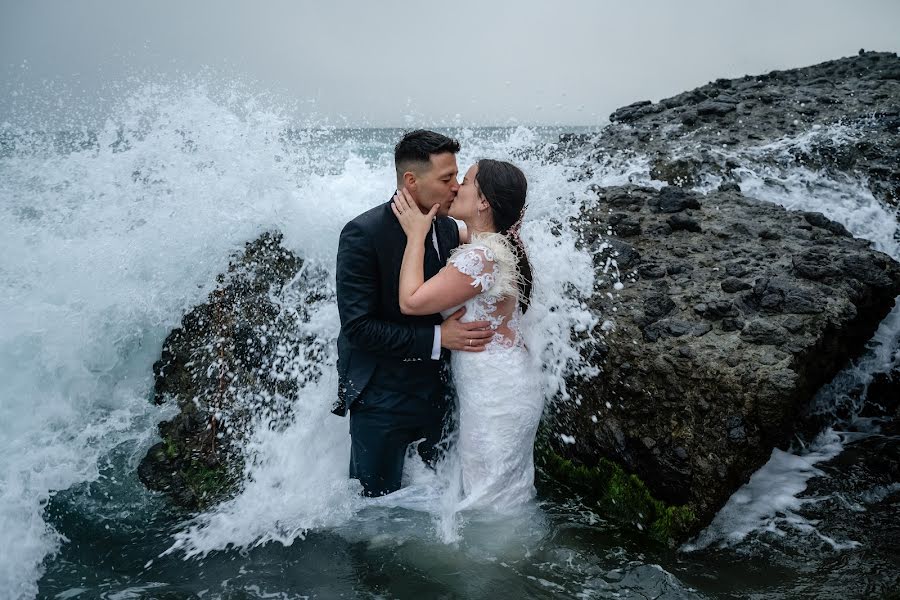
(188, 468)
(209, 482)
(620, 495)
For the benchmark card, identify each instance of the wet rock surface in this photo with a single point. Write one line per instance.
(236, 360)
(840, 116)
(733, 311)
(718, 334)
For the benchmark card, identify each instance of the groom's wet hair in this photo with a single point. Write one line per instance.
(414, 150)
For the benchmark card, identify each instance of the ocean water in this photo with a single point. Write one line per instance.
(111, 232)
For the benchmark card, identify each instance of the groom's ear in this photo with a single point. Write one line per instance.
(409, 181)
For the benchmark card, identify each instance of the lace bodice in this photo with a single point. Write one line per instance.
(491, 264)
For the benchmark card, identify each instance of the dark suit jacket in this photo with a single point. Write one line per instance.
(373, 330)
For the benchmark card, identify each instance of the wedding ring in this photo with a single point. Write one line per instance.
(469, 343)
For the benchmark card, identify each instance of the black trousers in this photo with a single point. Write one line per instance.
(383, 423)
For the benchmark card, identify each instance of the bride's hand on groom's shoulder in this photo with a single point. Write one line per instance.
(415, 224)
(468, 337)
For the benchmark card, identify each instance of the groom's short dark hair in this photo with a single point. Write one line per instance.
(416, 147)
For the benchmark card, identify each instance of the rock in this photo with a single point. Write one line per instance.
(857, 93)
(726, 365)
(630, 112)
(714, 107)
(735, 428)
(673, 200)
(736, 269)
(820, 220)
(678, 268)
(680, 222)
(626, 255)
(780, 294)
(625, 225)
(689, 118)
(761, 331)
(652, 271)
(733, 285)
(732, 325)
(238, 356)
(679, 172)
(715, 309)
(869, 272)
(657, 306)
(674, 328)
(815, 264)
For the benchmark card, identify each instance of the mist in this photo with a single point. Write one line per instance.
(390, 64)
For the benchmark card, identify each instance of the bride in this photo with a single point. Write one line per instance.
(500, 399)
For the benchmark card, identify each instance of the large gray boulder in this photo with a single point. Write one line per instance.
(728, 316)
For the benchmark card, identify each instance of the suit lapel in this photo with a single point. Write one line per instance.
(432, 262)
(447, 241)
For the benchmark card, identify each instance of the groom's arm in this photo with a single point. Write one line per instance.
(357, 297)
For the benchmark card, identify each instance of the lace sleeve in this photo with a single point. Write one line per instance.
(478, 263)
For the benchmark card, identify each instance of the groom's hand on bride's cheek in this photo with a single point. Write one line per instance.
(469, 337)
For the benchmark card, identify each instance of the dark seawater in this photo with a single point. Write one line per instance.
(117, 532)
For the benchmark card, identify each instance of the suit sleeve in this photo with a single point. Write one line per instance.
(357, 298)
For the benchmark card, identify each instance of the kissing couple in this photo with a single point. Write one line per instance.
(438, 275)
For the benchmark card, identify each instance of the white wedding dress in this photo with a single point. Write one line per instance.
(500, 396)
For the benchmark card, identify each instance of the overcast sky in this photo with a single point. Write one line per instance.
(490, 62)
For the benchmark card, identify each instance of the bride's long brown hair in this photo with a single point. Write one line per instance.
(504, 187)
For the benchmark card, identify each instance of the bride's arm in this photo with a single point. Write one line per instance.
(447, 289)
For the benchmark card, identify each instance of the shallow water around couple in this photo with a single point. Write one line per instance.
(556, 548)
(391, 547)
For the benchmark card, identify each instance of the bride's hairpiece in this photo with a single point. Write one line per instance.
(513, 230)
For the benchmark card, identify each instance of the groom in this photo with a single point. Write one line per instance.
(392, 367)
